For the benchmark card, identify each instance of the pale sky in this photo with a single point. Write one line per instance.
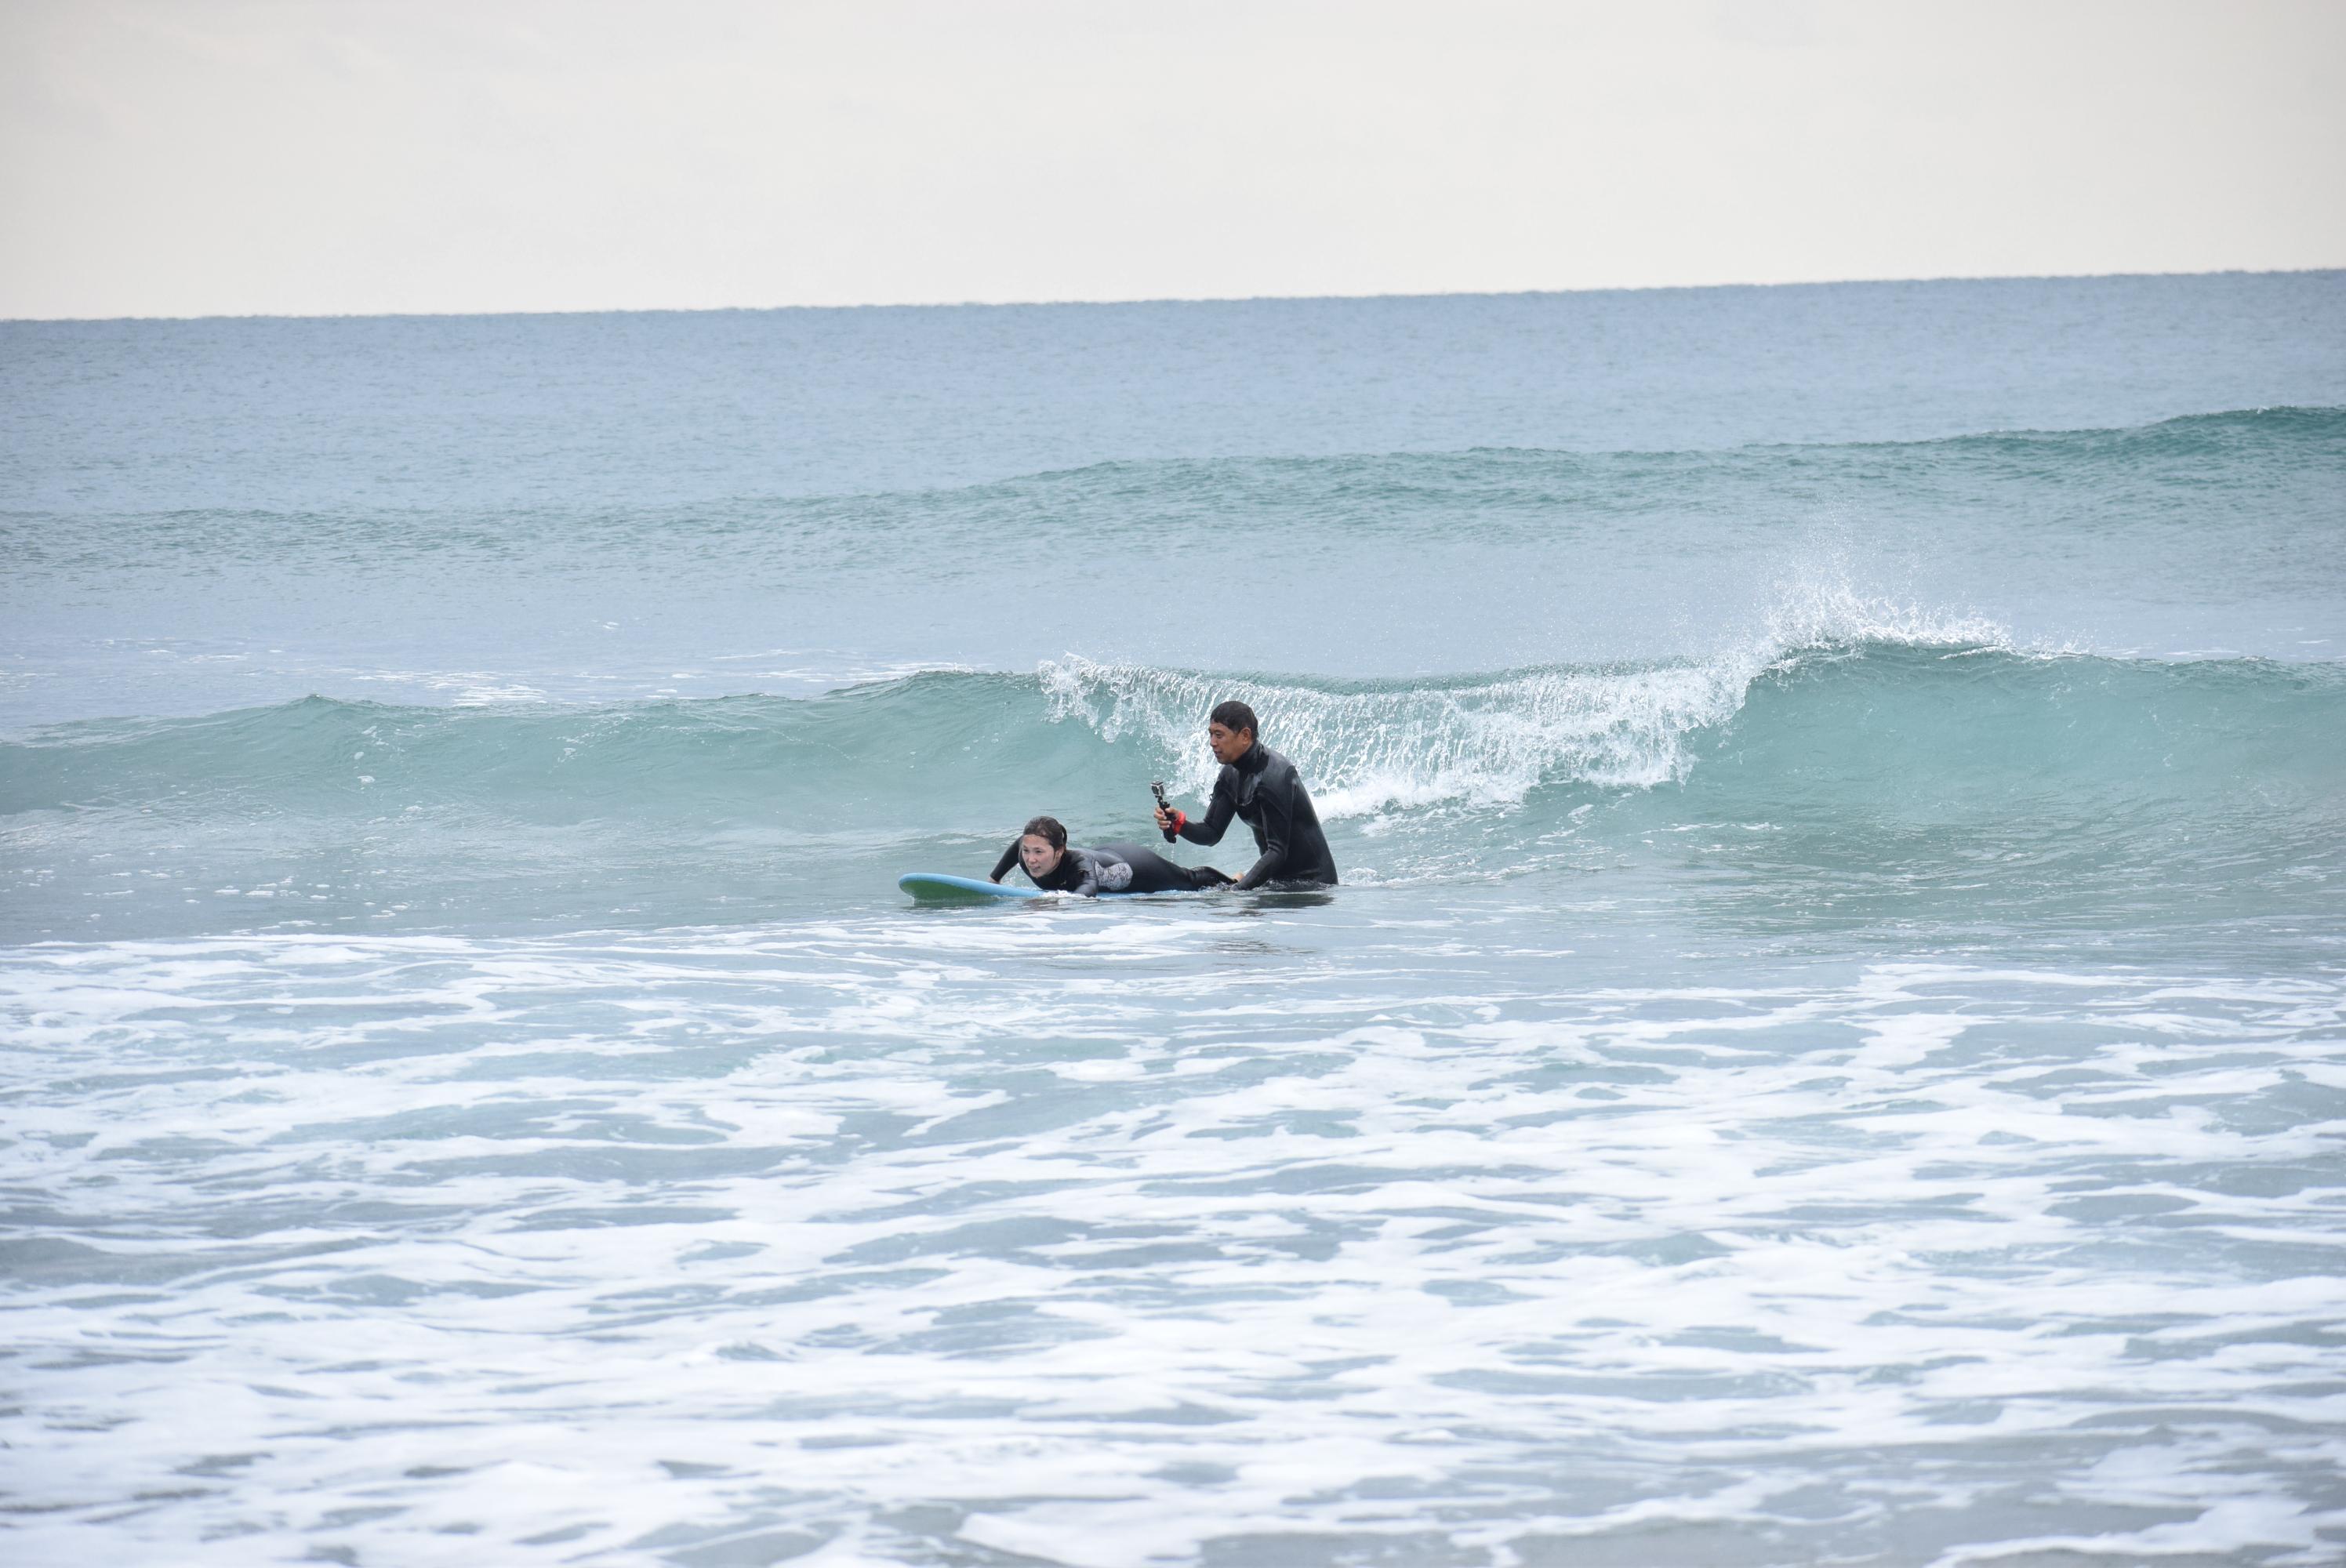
(240, 156)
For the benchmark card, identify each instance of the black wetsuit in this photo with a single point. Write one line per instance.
(1117, 868)
(1263, 788)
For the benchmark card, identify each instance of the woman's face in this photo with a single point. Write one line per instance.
(1034, 852)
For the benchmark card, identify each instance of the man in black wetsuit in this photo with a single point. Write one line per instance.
(1263, 788)
(1042, 848)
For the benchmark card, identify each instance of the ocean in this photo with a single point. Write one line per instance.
(1830, 1045)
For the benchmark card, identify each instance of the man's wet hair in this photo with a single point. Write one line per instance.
(1234, 715)
(1048, 829)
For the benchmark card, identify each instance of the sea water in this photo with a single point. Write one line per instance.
(1828, 1047)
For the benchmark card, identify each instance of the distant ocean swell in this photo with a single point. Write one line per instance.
(1507, 493)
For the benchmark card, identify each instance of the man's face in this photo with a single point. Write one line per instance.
(1037, 853)
(1229, 744)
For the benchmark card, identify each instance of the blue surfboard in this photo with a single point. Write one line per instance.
(936, 888)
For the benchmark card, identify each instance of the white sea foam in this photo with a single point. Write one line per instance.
(885, 1240)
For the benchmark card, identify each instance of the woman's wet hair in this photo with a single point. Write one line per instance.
(1048, 829)
(1234, 715)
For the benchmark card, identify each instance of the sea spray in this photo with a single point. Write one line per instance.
(1491, 740)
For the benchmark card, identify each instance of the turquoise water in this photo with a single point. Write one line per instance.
(1832, 1045)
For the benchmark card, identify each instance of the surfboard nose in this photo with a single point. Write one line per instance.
(939, 888)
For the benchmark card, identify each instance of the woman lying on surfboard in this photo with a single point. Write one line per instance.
(1042, 848)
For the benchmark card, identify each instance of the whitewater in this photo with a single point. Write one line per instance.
(1830, 1046)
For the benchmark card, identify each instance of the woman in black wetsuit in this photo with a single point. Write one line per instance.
(1117, 868)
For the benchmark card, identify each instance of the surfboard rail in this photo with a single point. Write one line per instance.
(944, 888)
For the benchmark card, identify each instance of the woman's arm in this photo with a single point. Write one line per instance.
(1002, 867)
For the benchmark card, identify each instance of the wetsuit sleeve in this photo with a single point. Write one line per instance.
(1218, 812)
(1087, 875)
(1276, 798)
(1009, 859)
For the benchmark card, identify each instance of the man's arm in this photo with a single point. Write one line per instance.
(1276, 797)
(1009, 859)
(1218, 812)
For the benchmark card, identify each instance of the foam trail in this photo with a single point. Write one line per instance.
(903, 1239)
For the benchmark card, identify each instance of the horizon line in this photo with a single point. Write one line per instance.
(1174, 299)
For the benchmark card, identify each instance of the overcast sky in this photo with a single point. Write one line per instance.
(208, 156)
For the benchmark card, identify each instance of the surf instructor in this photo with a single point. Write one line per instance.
(1262, 788)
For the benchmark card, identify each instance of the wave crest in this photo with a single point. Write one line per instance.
(1490, 740)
